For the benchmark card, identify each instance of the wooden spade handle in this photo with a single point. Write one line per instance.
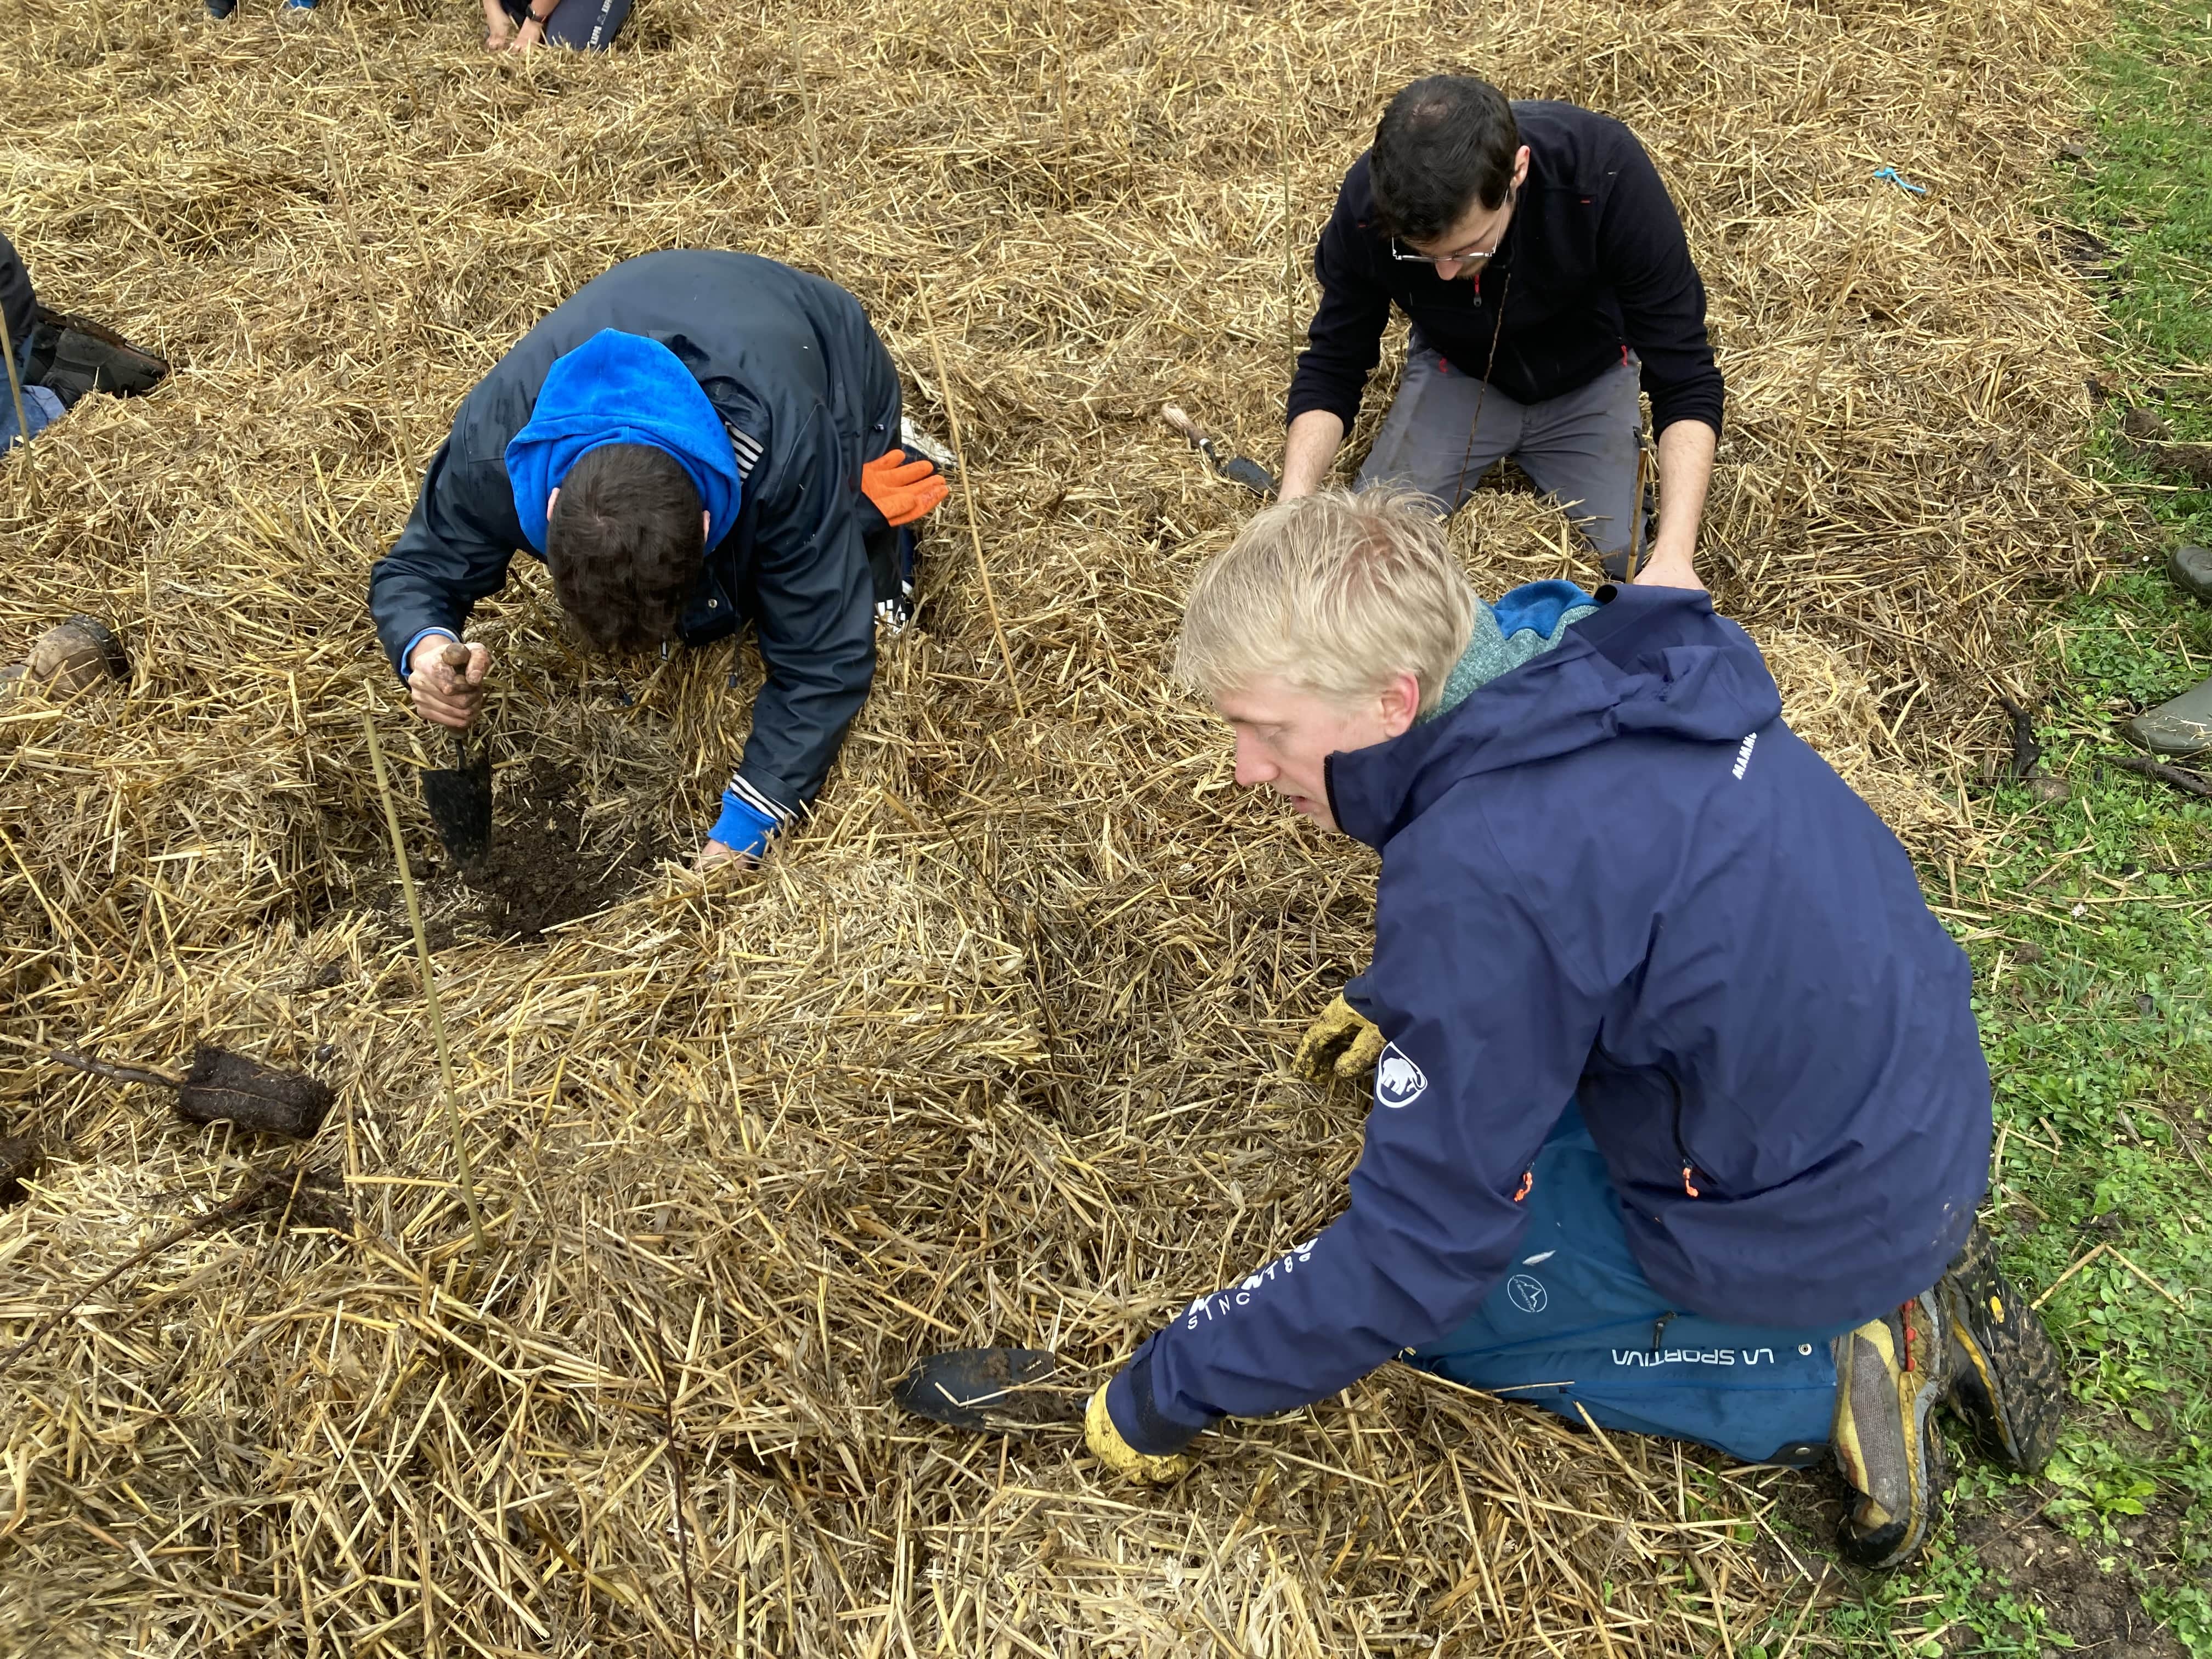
(109, 1069)
(1174, 416)
(455, 657)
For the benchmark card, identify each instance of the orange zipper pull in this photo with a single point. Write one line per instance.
(1686, 1187)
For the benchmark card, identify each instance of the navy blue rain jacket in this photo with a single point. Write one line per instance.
(1615, 875)
(19, 306)
(807, 393)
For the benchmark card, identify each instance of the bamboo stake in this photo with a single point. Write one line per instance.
(15, 384)
(429, 984)
(968, 495)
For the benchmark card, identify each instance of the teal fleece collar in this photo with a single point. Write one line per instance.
(1525, 623)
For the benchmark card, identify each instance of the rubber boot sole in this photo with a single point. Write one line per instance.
(2008, 1379)
(1918, 1382)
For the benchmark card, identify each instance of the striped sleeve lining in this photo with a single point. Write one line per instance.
(759, 802)
(747, 448)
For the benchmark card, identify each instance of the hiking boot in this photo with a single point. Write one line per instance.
(2180, 726)
(1890, 1373)
(72, 356)
(2008, 1382)
(2191, 570)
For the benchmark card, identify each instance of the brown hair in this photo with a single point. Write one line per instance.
(625, 543)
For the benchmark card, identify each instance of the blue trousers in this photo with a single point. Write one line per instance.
(40, 407)
(1575, 1324)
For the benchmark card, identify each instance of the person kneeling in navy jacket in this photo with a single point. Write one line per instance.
(1680, 1115)
(695, 441)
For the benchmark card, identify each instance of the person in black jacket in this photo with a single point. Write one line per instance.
(695, 440)
(54, 360)
(1544, 272)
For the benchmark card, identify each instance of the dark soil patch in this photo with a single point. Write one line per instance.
(21, 1160)
(540, 873)
(2022, 1554)
(2100, 1609)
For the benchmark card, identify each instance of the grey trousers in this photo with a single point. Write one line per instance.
(585, 25)
(1579, 449)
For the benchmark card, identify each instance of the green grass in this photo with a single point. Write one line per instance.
(2093, 967)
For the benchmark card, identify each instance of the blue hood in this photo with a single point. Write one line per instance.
(1652, 660)
(619, 388)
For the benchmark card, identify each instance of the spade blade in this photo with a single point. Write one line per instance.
(992, 1390)
(223, 1086)
(1250, 473)
(460, 803)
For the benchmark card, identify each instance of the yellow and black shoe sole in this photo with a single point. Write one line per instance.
(2007, 1380)
(1912, 1355)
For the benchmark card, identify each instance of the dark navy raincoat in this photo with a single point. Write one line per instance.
(807, 393)
(1613, 875)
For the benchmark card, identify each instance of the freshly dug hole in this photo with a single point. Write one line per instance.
(21, 1158)
(544, 866)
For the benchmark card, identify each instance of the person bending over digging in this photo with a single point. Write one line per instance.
(54, 360)
(1544, 272)
(1680, 1117)
(693, 442)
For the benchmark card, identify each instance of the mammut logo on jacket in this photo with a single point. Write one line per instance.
(1397, 1081)
(1743, 752)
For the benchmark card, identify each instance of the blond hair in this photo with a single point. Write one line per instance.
(1335, 594)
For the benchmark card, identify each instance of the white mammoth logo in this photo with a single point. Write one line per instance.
(1397, 1081)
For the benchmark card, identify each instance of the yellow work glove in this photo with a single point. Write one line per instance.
(902, 492)
(1340, 1044)
(1125, 1460)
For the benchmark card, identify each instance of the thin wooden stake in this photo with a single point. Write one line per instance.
(429, 984)
(244, 1200)
(15, 384)
(1642, 484)
(2068, 1274)
(968, 495)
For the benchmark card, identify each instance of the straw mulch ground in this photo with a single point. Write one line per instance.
(991, 1052)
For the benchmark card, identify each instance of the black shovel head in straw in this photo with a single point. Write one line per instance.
(992, 1390)
(225, 1087)
(1237, 468)
(460, 800)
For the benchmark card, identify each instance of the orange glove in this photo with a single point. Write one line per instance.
(902, 494)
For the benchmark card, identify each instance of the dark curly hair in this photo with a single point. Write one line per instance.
(625, 545)
(1444, 144)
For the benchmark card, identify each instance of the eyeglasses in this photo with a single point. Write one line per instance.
(1473, 257)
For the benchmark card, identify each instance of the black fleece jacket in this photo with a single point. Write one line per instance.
(1593, 263)
(18, 305)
